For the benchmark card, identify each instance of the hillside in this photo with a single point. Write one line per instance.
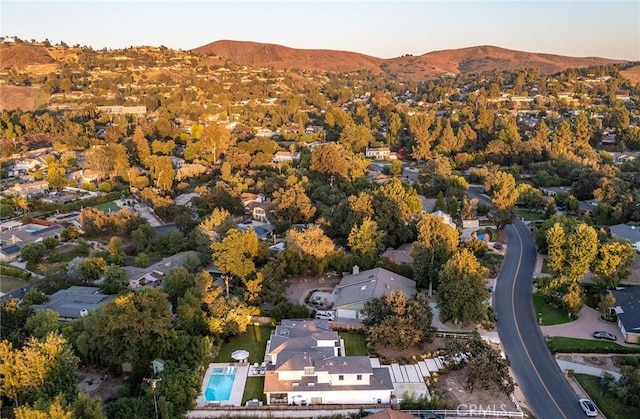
(22, 55)
(483, 58)
(632, 74)
(256, 54)
(464, 60)
(17, 97)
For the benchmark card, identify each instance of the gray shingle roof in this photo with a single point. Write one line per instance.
(628, 299)
(369, 284)
(70, 302)
(624, 231)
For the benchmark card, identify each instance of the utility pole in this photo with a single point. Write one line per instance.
(154, 382)
(331, 180)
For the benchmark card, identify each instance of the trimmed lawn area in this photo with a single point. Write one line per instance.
(354, 344)
(527, 215)
(568, 345)
(253, 389)
(108, 207)
(550, 315)
(253, 340)
(9, 283)
(611, 406)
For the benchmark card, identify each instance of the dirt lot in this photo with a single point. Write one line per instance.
(91, 381)
(454, 383)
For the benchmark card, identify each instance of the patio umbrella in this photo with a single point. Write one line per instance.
(240, 354)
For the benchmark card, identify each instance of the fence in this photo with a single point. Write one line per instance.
(471, 413)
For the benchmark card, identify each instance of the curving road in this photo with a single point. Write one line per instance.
(542, 382)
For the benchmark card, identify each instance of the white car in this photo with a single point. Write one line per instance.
(588, 407)
(325, 315)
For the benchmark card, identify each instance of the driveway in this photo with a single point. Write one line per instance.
(299, 288)
(588, 322)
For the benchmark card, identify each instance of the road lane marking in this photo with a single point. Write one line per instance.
(513, 312)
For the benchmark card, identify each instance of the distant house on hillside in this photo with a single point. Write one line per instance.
(283, 156)
(381, 153)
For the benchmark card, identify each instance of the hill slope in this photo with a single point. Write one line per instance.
(464, 60)
(484, 58)
(256, 54)
(21, 55)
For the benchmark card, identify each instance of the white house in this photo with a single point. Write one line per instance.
(381, 153)
(354, 290)
(282, 156)
(307, 364)
(29, 189)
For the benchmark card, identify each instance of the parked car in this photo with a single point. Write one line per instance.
(325, 315)
(588, 407)
(604, 335)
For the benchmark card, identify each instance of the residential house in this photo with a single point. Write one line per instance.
(177, 162)
(74, 302)
(554, 190)
(285, 156)
(153, 275)
(401, 255)
(28, 189)
(446, 218)
(85, 176)
(122, 110)
(624, 231)
(257, 205)
(356, 289)
(307, 364)
(262, 229)
(12, 240)
(628, 311)
(381, 153)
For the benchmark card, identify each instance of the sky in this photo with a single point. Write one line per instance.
(384, 29)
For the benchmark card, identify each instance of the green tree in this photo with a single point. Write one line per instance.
(176, 284)
(56, 176)
(92, 268)
(366, 239)
(556, 242)
(50, 242)
(436, 243)
(356, 137)
(396, 168)
(397, 320)
(87, 407)
(215, 140)
(612, 263)
(115, 280)
(234, 254)
(291, 204)
(582, 248)
(33, 252)
(574, 298)
(311, 241)
(41, 323)
(462, 289)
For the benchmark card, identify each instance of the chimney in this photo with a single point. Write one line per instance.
(356, 269)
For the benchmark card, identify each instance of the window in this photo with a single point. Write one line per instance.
(341, 378)
(359, 377)
(309, 370)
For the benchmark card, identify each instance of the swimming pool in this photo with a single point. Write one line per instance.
(31, 228)
(220, 384)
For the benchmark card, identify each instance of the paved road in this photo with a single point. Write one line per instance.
(539, 377)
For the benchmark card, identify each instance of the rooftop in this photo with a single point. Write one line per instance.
(73, 301)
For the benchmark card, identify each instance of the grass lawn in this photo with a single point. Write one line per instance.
(354, 344)
(68, 255)
(568, 345)
(550, 315)
(108, 206)
(611, 406)
(527, 215)
(253, 389)
(9, 283)
(253, 340)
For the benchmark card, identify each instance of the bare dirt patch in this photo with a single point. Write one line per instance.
(632, 74)
(410, 355)
(92, 382)
(25, 98)
(453, 383)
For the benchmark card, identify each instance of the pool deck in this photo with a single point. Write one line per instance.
(237, 390)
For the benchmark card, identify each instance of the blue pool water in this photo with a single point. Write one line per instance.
(220, 383)
(33, 227)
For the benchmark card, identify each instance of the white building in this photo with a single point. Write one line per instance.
(381, 153)
(308, 365)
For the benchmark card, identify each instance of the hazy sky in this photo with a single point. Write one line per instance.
(381, 28)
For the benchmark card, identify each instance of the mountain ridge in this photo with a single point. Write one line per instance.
(431, 64)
